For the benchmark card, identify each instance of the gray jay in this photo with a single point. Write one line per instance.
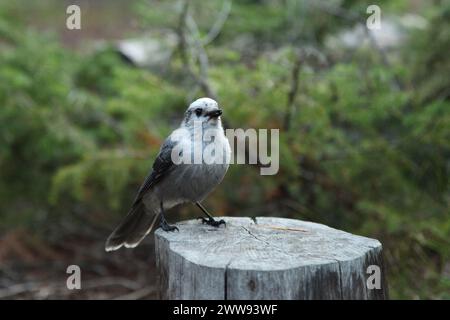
(192, 161)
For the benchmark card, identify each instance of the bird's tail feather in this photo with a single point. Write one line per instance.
(133, 228)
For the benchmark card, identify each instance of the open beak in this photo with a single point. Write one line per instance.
(214, 113)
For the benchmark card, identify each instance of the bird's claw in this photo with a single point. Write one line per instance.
(167, 227)
(213, 222)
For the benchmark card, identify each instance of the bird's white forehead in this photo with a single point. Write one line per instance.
(203, 103)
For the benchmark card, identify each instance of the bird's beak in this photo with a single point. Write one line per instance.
(214, 113)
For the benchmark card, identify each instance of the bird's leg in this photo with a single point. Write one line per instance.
(210, 219)
(163, 224)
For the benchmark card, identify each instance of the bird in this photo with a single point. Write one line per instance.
(172, 182)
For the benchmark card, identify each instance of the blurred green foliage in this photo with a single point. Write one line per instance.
(367, 149)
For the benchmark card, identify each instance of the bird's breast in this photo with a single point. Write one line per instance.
(201, 179)
(193, 181)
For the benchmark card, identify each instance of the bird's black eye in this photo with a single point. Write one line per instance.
(198, 112)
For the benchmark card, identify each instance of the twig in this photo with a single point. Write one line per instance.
(218, 25)
(110, 281)
(189, 37)
(293, 91)
(182, 41)
(356, 18)
(136, 295)
(384, 58)
(19, 288)
(201, 56)
(60, 286)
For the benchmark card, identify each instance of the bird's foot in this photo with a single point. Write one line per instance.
(212, 222)
(167, 227)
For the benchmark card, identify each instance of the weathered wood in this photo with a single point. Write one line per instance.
(265, 258)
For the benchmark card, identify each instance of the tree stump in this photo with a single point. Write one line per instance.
(267, 258)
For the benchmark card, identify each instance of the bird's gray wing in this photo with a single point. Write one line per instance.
(139, 220)
(161, 167)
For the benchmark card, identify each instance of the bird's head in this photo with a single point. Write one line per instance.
(203, 110)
